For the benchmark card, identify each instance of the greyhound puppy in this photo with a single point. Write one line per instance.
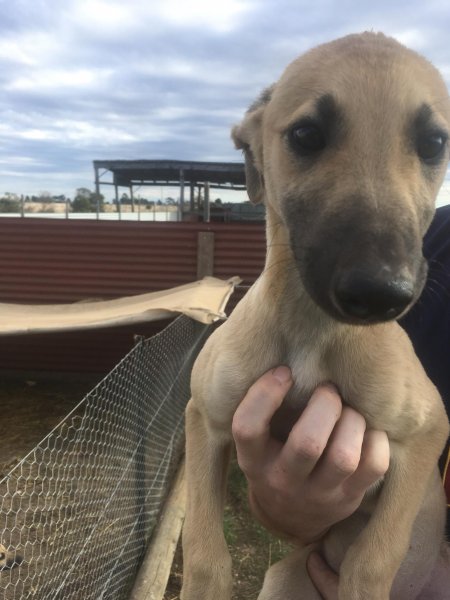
(348, 151)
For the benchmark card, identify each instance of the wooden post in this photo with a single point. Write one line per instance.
(97, 192)
(118, 207)
(192, 197)
(206, 211)
(181, 205)
(97, 181)
(205, 254)
(132, 198)
(151, 581)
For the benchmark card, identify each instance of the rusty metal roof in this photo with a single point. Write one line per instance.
(170, 172)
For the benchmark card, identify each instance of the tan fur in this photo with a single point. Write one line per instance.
(9, 558)
(373, 171)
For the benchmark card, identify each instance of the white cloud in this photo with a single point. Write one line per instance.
(15, 51)
(30, 48)
(219, 15)
(36, 134)
(86, 79)
(22, 160)
(103, 16)
(87, 133)
(41, 79)
(443, 197)
(413, 38)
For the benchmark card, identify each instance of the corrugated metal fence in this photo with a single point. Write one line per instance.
(48, 261)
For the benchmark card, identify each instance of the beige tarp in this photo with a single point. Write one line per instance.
(202, 300)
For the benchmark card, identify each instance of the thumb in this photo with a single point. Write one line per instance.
(324, 579)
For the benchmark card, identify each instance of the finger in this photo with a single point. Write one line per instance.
(310, 434)
(251, 421)
(343, 453)
(373, 464)
(324, 579)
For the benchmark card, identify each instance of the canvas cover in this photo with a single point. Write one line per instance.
(203, 300)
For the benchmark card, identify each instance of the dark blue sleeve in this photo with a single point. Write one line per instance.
(428, 323)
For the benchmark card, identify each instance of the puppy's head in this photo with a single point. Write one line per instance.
(349, 149)
(9, 559)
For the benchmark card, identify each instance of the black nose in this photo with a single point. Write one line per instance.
(370, 299)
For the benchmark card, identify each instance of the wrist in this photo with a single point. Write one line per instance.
(293, 529)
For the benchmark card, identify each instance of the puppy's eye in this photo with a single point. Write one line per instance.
(307, 138)
(2, 556)
(431, 146)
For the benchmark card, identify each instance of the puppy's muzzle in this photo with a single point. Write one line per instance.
(365, 297)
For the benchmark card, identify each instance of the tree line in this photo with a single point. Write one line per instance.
(84, 201)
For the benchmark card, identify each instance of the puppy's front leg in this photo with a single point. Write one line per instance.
(372, 561)
(207, 562)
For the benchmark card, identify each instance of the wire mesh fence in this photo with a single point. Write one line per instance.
(81, 507)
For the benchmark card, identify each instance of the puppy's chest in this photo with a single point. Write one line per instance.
(308, 371)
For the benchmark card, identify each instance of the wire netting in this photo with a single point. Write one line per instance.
(82, 505)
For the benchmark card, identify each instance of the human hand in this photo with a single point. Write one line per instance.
(319, 476)
(326, 580)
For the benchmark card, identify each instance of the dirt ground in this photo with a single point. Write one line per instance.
(30, 410)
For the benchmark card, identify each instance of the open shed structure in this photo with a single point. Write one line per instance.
(189, 175)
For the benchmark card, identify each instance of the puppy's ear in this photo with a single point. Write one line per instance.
(253, 176)
(248, 137)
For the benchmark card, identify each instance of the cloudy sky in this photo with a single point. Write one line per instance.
(96, 79)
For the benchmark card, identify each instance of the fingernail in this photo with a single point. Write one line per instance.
(283, 374)
(330, 386)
